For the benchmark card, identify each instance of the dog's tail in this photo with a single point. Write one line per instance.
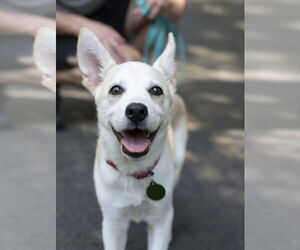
(178, 133)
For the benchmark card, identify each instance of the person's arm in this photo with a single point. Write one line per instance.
(70, 24)
(24, 24)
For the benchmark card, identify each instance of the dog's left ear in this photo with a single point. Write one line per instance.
(93, 59)
(44, 53)
(166, 61)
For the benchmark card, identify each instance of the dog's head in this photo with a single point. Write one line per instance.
(133, 99)
(44, 53)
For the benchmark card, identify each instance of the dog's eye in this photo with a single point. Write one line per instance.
(116, 90)
(156, 91)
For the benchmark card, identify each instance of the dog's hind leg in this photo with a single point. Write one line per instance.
(179, 132)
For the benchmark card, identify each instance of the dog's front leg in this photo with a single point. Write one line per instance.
(114, 234)
(160, 232)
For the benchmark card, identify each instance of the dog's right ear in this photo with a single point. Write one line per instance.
(93, 59)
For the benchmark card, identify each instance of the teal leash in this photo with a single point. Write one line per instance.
(156, 39)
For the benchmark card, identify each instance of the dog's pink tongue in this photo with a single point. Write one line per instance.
(135, 145)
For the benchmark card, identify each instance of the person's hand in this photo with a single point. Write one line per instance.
(111, 39)
(156, 8)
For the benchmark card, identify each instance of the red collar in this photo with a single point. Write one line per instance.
(139, 176)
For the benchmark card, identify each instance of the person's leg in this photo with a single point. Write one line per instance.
(66, 47)
(174, 10)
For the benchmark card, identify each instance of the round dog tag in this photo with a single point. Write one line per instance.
(155, 191)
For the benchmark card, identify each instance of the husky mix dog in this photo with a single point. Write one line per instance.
(142, 140)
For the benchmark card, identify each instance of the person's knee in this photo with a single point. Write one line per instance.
(132, 53)
(174, 9)
(135, 56)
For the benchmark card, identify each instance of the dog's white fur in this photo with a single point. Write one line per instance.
(44, 53)
(123, 198)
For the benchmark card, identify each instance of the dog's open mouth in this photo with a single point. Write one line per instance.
(135, 143)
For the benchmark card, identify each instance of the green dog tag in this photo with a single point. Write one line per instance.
(155, 191)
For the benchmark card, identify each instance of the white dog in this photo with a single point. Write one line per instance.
(44, 53)
(142, 141)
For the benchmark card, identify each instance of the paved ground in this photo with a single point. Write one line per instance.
(27, 152)
(209, 198)
(272, 125)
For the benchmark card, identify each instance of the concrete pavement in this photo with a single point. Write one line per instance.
(272, 125)
(27, 152)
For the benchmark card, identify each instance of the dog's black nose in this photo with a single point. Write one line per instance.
(136, 112)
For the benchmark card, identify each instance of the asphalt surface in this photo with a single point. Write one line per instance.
(209, 199)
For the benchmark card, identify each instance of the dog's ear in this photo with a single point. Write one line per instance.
(44, 53)
(93, 59)
(166, 61)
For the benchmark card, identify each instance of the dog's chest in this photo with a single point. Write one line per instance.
(122, 195)
(142, 212)
(131, 203)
